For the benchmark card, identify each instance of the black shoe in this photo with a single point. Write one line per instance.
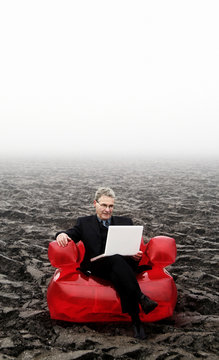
(138, 331)
(147, 304)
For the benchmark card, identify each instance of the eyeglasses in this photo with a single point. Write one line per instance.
(105, 206)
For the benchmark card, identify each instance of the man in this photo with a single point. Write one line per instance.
(120, 270)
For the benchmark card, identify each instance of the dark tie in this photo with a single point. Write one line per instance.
(105, 223)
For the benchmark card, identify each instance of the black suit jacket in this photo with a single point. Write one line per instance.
(87, 229)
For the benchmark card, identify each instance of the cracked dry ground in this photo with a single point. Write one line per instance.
(172, 198)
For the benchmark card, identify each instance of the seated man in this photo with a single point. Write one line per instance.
(120, 270)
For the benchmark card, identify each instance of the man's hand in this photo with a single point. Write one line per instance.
(138, 256)
(63, 239)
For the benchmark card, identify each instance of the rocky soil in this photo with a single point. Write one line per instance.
(38, 198)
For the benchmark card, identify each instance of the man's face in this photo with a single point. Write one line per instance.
(104, 207)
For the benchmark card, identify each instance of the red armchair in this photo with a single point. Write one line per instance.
(73, 296)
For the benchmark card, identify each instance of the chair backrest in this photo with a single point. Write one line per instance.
(145, 259)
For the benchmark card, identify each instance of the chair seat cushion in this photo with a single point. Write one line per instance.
(72, 296)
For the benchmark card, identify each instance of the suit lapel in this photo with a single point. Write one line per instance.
(95, 226)
(114, 220)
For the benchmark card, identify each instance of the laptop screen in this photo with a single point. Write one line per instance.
(123, 239)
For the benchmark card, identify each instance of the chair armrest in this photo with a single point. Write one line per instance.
(161, 251)
(70, 255)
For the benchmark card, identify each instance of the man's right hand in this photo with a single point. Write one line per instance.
(63, 239)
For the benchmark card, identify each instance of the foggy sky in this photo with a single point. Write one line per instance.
(109, 77)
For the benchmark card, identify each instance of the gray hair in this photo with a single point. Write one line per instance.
(106, 191)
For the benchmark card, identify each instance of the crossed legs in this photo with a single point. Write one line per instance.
(120, 271)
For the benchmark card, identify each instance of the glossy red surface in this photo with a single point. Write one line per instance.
(72, 296)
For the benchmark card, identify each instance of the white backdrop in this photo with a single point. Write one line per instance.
(109, 77)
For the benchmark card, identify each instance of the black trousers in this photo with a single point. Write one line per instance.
(120, 270)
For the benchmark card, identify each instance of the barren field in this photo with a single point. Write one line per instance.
(39, 198)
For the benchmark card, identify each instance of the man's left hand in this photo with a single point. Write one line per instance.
(138, 256)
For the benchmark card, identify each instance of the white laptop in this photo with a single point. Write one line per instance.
(122, 239)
